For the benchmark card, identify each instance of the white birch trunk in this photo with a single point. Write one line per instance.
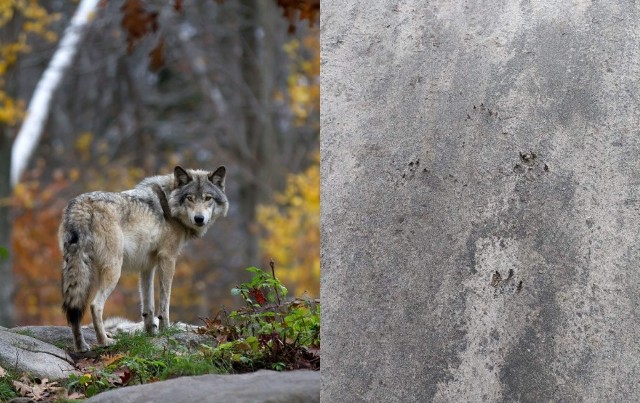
(40, 104)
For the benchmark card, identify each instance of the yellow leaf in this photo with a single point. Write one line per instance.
(83, 144)
(292, 230)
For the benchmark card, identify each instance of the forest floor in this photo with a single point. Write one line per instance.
(269, 332)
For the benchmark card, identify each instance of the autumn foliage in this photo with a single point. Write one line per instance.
(35, 247)
(290, 224)
(138, 21)
(33, 20)
(292, 230)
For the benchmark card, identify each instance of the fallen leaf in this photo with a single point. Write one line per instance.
(76, 395)
(22, 388)
(84, 363)
(110, 359)
(37, 391)
(124, 375)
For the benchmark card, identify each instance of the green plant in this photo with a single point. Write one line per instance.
(25, 332)
(6, 387)
(253, 291)
(144, 369)
(135, 344)
(267, 332)
(193, 363)
(4, 253)
(135, 358)
(92, 383)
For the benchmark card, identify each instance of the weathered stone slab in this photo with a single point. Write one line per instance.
(59, 336)
(258, 387)
(480, 207)
(39, 359)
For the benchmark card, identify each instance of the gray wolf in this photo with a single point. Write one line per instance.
(139, 230)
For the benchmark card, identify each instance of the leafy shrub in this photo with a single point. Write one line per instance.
(267, 332)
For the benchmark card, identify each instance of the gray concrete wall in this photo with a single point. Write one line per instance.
(480, 200)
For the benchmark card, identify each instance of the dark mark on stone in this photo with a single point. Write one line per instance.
(495, 279)
(528, 157)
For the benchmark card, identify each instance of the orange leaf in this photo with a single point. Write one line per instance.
(156, 56)
(137, 21)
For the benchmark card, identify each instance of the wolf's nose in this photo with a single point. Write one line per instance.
(198, 219)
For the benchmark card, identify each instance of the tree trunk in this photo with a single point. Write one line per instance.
(258, 58)
(7, 309)
(8, 34)
(29, 135)
(480, 201)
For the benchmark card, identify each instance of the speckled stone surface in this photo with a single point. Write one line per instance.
(480, 201)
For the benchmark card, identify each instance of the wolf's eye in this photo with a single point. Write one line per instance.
(208, 198)
(190, 198)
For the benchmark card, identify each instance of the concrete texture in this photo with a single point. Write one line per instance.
(480, 201)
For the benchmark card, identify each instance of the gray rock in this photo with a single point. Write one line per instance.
(183, 333)
(258, 387)
(59, 336)
(27, 354)
(185, 338)
(22, 400)
(480, 201)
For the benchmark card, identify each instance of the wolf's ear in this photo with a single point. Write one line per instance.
(217, 177)
(182, 177)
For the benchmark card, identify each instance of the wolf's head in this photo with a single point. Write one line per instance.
(197, 198)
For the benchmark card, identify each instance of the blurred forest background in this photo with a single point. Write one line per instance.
(201, 84)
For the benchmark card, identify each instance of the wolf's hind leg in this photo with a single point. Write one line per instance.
(78, 339)
(108, 283)
(97, 307)
(146, 296)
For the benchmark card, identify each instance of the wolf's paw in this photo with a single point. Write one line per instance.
(84, 347)
(108, 341)
(163, 323)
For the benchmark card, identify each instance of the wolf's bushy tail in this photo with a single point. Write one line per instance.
(76, 271)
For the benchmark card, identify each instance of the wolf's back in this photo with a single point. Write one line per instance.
(76, 245)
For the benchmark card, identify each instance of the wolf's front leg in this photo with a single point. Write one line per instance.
(146, 296)
(166, 268)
